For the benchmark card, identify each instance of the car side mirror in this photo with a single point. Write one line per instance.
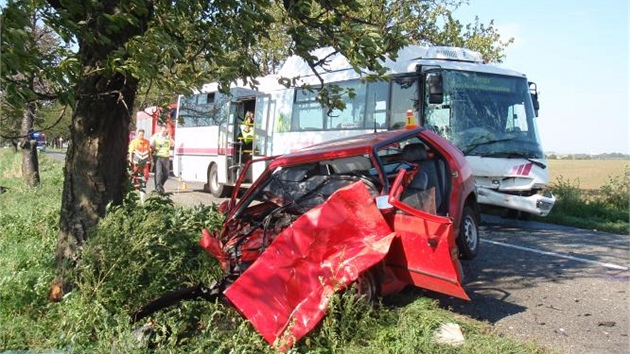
(382, 203)
(224, 207)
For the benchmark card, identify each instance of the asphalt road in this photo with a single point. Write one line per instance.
(564, 288)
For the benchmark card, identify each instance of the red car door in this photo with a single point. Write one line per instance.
(423, 253)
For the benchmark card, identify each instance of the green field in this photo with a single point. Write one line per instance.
(591, 174)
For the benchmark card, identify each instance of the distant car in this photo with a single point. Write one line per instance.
(40, 138)
(375, 212)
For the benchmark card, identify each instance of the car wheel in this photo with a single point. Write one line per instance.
(217, 189)
(468, 238)
(366, 287)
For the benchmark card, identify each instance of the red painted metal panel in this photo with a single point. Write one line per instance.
(424, 252)
(421, 255)
(285, 293)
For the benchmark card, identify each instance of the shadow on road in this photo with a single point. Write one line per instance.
(486, 304)
(504, 281)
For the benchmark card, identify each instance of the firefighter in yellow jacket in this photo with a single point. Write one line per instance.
(161, 143)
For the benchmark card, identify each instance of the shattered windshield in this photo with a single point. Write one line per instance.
(486, 114)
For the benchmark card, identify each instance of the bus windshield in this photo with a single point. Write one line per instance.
(485, 114)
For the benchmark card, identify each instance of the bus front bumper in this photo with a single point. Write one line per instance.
(537, 204)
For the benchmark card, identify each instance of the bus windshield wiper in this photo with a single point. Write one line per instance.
(473, 146)
(520, 154)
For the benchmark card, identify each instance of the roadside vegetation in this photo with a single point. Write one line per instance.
(603, 208)
(138, 252)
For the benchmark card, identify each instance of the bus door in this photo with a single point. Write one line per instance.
(262, 125)
(404, 96)
(238, 151)
(226, 144)
(262, 135)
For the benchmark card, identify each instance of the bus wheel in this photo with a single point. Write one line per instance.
(468, 238)
(213, 186)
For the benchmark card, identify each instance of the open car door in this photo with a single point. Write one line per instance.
(423, 252)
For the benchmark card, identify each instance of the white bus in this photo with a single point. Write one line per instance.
(488, 112)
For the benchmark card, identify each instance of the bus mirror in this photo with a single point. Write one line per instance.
(536, 104)
(436, 92)
(533, 91)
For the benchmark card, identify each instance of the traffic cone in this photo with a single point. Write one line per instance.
(182, 183)
(410, 120)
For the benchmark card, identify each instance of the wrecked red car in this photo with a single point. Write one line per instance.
(376, 212)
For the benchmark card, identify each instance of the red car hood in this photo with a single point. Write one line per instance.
(286, 291)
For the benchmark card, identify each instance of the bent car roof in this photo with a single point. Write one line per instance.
(355, 145)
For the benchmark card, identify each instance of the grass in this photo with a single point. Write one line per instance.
(139, 252)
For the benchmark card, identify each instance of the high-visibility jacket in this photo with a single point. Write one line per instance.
(140, 148)
(247, 132)
(161, 144)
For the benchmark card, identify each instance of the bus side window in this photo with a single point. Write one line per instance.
(404, 96)
(309, 117)
(353, 95)
(376, 104)
(308, 114)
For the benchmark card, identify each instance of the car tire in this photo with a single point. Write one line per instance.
(468, 237)
(213, 186)
(366, 287)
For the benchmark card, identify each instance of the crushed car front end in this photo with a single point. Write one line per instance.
(380, 210)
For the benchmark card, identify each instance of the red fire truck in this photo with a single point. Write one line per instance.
(149, 118)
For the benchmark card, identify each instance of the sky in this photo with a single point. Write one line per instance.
(576, 51)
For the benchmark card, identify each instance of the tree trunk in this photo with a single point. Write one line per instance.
(30, 163)
(95, 171)
(96, 159)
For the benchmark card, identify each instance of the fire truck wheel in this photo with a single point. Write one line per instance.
(468, 237)
(213, 186)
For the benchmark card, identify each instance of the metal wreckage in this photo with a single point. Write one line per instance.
(375, 212)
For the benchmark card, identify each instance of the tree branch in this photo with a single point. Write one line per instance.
(14, 137)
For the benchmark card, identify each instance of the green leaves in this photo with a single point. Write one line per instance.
(172, 47)
(34, 64)
(138, 252)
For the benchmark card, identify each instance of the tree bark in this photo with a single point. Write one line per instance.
(30, 162)
(95, 170)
